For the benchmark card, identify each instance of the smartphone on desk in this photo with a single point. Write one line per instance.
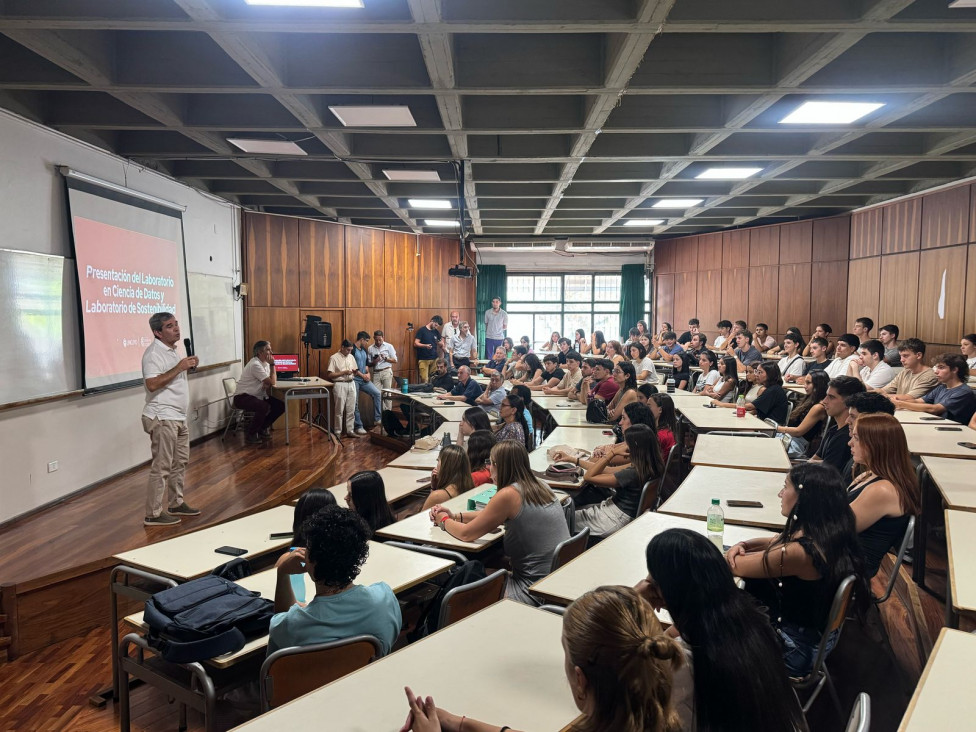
(448, 403)
(930, 419)
(733, 503)
(967, 445)
(948, 429)
(276, 536)
(231, 551)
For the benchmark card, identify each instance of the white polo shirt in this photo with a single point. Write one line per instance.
(252, 378)
(383, 351)
(173, 400)
(462, 347)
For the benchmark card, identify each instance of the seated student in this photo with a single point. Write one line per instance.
(915, 379)
(749, 389)
(818, 349)
(808, 417)
(526, 344)
(497, 362)
(862, 328)
(553, 374)
(572, 375)
(634, 413)
(577, 393)
(666, 327)
(473, 419)
(834, 449)
(761, 338)
(740, 681)
(580, 344)
(884, 492)
(632, 335)
(792, 363)
(644, 452)
(601, 385)
(724, 332)
(513, 425)
(869, 365)
(744, 352)
(952, 398)
(450, 477)
(366, 495)
(864, 402)
(667, 347)
(967, 345)
(822, 331)
(643, 365)
(625, 674)
(525, 394)
(683, 362)
(888, 335)
(515, 368)
(626, 381)
(710, 376)
(644, 392)
(724, 390)
(479, 446)
(531, 513)
(311, 501)
(533, 374)
(552, 345)
(509, 345)
(466, 389)
(694, 324)
(796, 574)
(844, 352)
(791, 332)
(614, 352)
(336, 547)
(662, 407)
(598, 343)
(696, 346)
(492, 396)
(564, 347)
(772, 403)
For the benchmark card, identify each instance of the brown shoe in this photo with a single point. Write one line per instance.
(352, 435)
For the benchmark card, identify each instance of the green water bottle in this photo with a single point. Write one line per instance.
(715, 525)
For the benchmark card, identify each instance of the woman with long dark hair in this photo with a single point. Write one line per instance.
(885, 491)
(532, 371)
(644, 454)
(451, 477)
(796, 574)
(367, 497)
(662, 407)
(473, 419)
(614, 351)
(598, 343)
(633, 414)
(626, 380)
(643, 366)
(708, 362)
(513, 425)
(809, 416)
(740, 681)
(770, 399)
(580, 344)
(311, 501)
(479, 446)
(683, 361)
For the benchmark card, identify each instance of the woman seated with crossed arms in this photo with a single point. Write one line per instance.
(534, 520)
(771, 401)
(626, 380)
(533, 373)
(625, 674)
(724, 389)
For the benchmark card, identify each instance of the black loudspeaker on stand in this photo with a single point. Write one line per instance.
(317, 335)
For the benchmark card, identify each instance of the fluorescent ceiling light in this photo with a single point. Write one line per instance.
(412, 175)
(309, 3)
(677, 202)
(450, 223)
(428, 203)
(624, 248)
(643, 222)
(374, 116)
(829, 113)
(727, 173)
(266, 147)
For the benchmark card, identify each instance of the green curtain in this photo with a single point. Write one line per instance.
(492, 283)
(631, 297)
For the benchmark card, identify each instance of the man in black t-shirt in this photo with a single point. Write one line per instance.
(693, 326)
(427, 344)
(553, 374)
(834, 448)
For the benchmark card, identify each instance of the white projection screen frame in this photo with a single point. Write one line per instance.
(131, 262)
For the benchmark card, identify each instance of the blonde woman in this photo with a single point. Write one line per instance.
(531, 513)
(451, 477)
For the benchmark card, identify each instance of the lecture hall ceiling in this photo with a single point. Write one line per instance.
(571, 117)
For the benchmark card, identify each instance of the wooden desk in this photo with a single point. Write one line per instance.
(400, 568)
(961, 578)
(415, 460)
(583, 438)
(399, 483)
(750, 453)
(925, 439)
(695, 494)
(719, 418)
(503, 664)
(955, 480)
(192, 555)
(418, 528)
(906, 416)
(451, 413)
(619, 559)
(574, 418)
(550, 403)
(944, 698)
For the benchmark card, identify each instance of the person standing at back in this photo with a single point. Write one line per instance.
(496, 323)
(164, 420)
(382, 357)
(427, 343)
(363, 380)
(342, 367)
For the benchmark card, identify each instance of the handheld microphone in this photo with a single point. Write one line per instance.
(189, 351)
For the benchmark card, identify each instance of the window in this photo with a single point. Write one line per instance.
(540, 304)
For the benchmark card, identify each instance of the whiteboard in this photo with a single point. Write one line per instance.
(38, 326)
(212, 315)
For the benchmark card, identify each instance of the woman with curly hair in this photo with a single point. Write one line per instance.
(337, 544)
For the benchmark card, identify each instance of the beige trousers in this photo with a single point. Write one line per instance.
(170, 441)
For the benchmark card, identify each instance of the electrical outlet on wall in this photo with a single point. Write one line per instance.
(52, 466)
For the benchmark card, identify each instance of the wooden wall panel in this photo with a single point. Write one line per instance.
(972, 212)
(709, 299)
(402, 270)
(322, 249)
(735, 294)
(763, 294)
(281, 326)
(902, 226)
(664, 298)
(863, 292)
(941, 310)
(945, 217)
(710, 251)
(832, 239)
(899, 292)
(764, 246)
(365, 282)
(437, 255)
(828, 296)
(462, 292)
(735, 250)
(685, 298)
(866, 230)
(319, 358)
(664, 256)
(273, 260)
(969, 324)
(794, 298)
(395, 329)
(796, 242)
(357, 319)
(686, 254)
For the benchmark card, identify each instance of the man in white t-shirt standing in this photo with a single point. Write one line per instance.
(496, 323)
(342, 368)
(453, 328)
(254, 393)
(164, 420)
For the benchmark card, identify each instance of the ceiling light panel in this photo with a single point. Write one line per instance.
(308, 3)
(444, 223)
(677, 202)
(643, 222)
(266, 147)
(413, 176)
(374, 116)
(829, 113)
(428, 203)
(727, 173)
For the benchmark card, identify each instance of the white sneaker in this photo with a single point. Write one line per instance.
(360, 431)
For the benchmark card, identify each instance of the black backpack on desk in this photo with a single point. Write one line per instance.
(204, 618)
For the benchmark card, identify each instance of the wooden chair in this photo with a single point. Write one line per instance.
(568, 550)
(468, 599)
(860, 720)
(819, 676)
(291, 672)
(903, 547)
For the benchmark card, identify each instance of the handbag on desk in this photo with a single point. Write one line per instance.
(596, 411)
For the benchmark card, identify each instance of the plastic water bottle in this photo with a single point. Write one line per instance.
(671, 384)
(404, 387)
(446, 439)
(740, 406)
(715, 525)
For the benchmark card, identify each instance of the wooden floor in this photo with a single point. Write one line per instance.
(49, 689)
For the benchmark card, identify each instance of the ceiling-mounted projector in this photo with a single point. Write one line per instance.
(460, 271)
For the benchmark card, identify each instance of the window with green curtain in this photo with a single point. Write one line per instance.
(491, 283)
(632, 294)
